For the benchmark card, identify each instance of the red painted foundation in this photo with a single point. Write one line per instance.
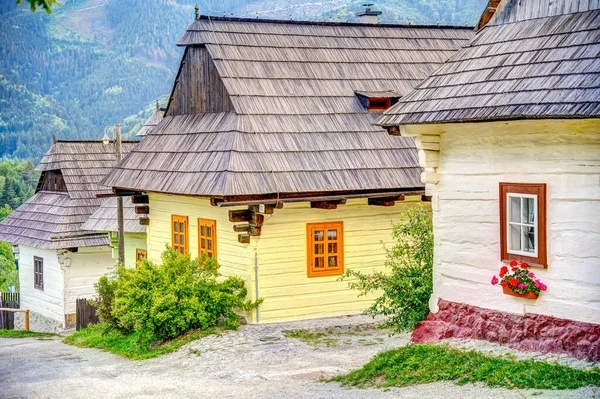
(530, 332)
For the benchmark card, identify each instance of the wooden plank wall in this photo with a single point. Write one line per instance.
(199, 87)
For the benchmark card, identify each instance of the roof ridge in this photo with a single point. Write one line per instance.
(318, 23)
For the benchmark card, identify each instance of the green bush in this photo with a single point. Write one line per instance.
(407, 286)
(161, 302)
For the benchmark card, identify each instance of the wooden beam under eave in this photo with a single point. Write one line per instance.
(142, 210)
(240, 216)
(241, 228)
(244, 238)
(139, 199)
(385, 201)
(327, 204)
(145, 221)
(254, 231)
(216, 201)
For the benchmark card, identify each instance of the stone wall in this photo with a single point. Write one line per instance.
(38, 323)
(529, 332)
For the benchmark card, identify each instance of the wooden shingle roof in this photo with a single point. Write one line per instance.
(517, 67)
(53, 220)
(105, 217)
(293, 122)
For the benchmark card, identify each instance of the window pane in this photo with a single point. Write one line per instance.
(332, 248)
(333, 261)
(175, 225)
(210, 245)
(181, 250)
(209, 231)
(319, 235)
(528, 210)
(515, 209)
(181, 227)
(175, 239)
(332, 234)
(319, 249)
(202, 243)
(515, 237)
(529, 239)
(202, 230)
(319, 262)
(181, 240)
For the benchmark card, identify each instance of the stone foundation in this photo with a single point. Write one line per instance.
(38, 323)
(529, 332)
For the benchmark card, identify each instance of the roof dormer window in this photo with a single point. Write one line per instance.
(379, 103)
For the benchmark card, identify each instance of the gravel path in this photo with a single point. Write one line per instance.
(253, 362)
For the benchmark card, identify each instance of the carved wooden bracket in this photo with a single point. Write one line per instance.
(255, 221)
(385, 201)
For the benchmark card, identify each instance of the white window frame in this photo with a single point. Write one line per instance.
(535, 225)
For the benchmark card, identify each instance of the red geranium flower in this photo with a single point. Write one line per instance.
(513, 281)
(524, 265)
(504, 284)
(513, 263)
(503, 271)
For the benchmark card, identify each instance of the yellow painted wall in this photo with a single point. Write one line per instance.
(233, 256)
(133, 241)
(288, 292)
(282, 258)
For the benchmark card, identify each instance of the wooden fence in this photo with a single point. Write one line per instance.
(11, 301)
(85, 314)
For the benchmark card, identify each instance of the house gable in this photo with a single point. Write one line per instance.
(198, 88)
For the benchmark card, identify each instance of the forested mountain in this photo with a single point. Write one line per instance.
(93, 63)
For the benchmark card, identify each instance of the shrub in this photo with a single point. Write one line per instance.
(161, 302)
(406, 287)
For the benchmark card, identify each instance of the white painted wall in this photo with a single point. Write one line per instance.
(48, 302)
(474, 158)
(87, 266)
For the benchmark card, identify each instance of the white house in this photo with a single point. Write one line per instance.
(509, 136)
(59, 261)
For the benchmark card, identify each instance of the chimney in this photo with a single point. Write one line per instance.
(369, 16)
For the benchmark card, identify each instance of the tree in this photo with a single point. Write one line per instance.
(8, 271)
(45, 4)
(407, 285)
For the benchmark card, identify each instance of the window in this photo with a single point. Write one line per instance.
(523, 222)
(179, 236)
(325, 242)
(207, 237)
(140, 254)
(38, 273)
(379, 104)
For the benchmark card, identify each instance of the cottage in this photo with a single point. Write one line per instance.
(268, 159)
(59, 260)
(104, 219)
(509, 136)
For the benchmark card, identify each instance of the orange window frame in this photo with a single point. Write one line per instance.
(387, 100)
(140, 254)
(207, 237)
(180, 239)
(325, 251)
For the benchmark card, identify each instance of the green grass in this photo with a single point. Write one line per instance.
(103, 337)
(332, 336)
(422, 364)
(23, 334)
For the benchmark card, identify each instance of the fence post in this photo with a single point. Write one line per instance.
(27, 320)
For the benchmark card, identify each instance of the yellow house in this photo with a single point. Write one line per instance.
(268, 159)
(509, 136)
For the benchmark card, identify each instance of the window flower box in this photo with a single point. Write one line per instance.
(528, 295)
(519, 281)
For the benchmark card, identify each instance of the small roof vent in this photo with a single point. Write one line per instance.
(368, 16)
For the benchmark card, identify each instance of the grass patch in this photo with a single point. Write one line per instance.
(422, 364)
(102, 336)
(23, 334)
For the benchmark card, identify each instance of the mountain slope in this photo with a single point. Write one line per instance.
(93, 63)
